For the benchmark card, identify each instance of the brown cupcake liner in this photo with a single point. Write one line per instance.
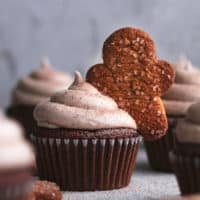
(158, 150)
(24, 115)
(187, 171)
(17, 191)
(86, 164)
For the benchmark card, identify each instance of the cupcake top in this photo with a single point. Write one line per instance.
(82, 106)
(15, 152)
(188, 129)
(40, 84)
(186, 89)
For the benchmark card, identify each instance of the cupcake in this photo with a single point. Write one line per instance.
(179, 97)
(16, 162)
(83, 140)
(185, 158)
(32, 89)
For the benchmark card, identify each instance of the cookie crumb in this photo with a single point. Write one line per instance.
(169, 77)
(137, 39)
(44, 190)
(126, 41)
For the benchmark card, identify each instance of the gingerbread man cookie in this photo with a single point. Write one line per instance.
(133, 76)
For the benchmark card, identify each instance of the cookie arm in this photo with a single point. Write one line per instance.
(167, 74)
(100, 76)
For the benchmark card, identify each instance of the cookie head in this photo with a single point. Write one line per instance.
(128, 46)
(135, 78)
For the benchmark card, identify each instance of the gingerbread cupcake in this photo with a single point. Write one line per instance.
(83, 140)
(16, 162)
(185, 158)
(32, 89)
(178, 98)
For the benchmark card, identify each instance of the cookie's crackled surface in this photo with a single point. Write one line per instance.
(133, 76)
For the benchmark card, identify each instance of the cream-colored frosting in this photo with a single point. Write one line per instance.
(186, 72)
(184, 93)
(186, 89)
(176, 107)
(15, 152)
(188, 129)
(39, 85)
(82, 106)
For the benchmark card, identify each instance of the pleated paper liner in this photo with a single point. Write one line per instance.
(19, 190)
(158, 150)
(187, 171)
(86, 164)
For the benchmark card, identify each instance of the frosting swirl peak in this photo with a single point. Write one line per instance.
(40, 84)
(82, 106)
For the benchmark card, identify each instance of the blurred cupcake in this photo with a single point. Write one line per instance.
(83, 140)
(190, 197)
(32, 89)
(177, 99)
(186, 155)
(16, 162)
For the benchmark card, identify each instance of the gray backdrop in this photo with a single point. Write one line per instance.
(71, 32)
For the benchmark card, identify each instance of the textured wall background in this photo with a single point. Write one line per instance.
(71, 32)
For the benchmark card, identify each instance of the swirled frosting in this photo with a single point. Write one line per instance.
(15, 152)
(188, 129)
(82, 106)
(39, 85)
(186, 89)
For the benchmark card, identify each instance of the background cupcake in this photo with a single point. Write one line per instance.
(177, 99)
(190, 197)
(16, 162)
(83, 140)
(32, 89)
(186, 154)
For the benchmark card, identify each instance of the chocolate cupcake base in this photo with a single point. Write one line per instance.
(81, 160)
(24, 115)
(187, 170)
(185, 161)
(158, 150)
(16, 185)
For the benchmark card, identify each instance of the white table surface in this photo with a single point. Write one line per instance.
(145, 185)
